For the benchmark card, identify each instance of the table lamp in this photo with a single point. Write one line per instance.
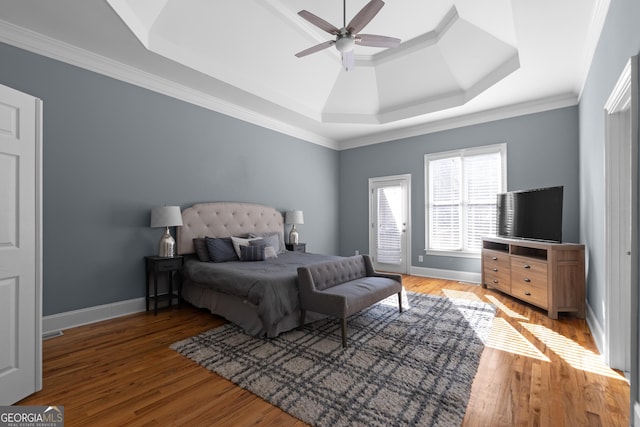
(294, 217)
(166, 216)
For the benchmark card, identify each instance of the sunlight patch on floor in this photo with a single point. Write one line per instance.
(574, 354)
(506, 310)
(452, 293)
(505, 337)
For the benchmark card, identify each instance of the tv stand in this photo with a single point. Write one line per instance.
(548, 275)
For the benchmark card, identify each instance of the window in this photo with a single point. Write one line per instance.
(461, 194)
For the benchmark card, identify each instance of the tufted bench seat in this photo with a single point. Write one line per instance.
(343, 287)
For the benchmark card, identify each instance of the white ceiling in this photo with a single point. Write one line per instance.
(460, 62)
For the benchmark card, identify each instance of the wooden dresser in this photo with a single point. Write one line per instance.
(548, 275)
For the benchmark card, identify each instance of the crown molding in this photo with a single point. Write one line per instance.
(42, 45)
(500, 113)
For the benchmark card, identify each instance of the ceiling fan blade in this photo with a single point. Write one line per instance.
(315, 48)
(319, 22)
(365, 15)
(377, 41)
(348, 60)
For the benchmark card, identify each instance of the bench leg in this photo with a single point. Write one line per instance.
(344, 332)
(302, 314)
(400, 301)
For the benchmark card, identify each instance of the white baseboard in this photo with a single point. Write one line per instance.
(461, 276)
(84, 316)
(597, 332)
(636, 415)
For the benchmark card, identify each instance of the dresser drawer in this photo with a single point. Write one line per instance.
(529, 280)
(496, 270)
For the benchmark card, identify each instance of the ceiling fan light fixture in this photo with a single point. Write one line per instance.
(345, 44)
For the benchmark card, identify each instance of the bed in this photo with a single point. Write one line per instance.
(262, 296)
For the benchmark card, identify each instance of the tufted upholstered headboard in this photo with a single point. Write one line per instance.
(225, 219)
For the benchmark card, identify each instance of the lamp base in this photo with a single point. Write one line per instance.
(167, 245)
(293, 235)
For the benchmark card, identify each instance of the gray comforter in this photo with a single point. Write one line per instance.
(271, 285)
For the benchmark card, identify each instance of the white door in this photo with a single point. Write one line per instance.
(389, 231)
(20, 246)
(621, 218)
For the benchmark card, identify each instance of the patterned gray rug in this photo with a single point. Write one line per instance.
(414, 368)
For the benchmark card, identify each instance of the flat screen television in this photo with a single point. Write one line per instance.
(531, 214)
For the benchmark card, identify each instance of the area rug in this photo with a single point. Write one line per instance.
(410, 368)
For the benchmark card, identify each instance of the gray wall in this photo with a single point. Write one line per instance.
(542, 151)
(619, 41)
(112, 151)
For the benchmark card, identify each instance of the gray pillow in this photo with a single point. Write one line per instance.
(252, 252)
(273, 238)
(201, 249)
(220, 249)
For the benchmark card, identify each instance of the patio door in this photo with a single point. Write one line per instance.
(389, 229)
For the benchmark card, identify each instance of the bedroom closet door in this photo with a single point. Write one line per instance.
(389, 231)
(20, 246)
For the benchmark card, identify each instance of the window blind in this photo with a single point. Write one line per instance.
(461, 201)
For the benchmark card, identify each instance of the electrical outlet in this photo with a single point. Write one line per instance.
(357, 252)
(420, 258)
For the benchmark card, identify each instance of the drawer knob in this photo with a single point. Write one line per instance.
(528, 294)
(495, 269)
(527, 266)
(495, 258)
(495, 280)
(526, 279)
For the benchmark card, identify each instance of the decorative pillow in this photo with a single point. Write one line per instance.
(269, 251)
(273, 238)
(241, 241)
(200, 246)
(252, 252)
(220, 249)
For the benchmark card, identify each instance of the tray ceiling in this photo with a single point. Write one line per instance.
(459, 62)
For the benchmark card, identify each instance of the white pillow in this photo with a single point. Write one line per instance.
(270, 252)
(239, 241)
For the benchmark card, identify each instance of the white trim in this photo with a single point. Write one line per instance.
(85, 316)
(437, 273)
(54, 49)
(636, 414)
(598, 17)
(500, 113)
(597, 331)
(39, 236)
(620, 179)
(60, 51)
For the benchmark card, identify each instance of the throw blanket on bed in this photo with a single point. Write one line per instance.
(270, 285)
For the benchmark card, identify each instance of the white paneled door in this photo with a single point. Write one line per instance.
(389, 231)
(20, 246)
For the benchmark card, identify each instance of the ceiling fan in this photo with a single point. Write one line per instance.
(347, 36)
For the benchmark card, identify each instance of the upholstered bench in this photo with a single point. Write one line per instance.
(343, 287)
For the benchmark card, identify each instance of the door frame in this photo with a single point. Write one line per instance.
(406, 178)
(621, 187)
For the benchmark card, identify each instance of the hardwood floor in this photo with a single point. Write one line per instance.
(534, 372)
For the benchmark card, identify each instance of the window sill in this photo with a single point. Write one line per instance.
(457, 254)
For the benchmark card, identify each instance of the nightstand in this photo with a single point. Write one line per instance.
(296, 247)
(156, 265)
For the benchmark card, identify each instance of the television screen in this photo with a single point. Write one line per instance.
(531, 214)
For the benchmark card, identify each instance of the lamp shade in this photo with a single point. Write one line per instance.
(166, 216)
(294, 217)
